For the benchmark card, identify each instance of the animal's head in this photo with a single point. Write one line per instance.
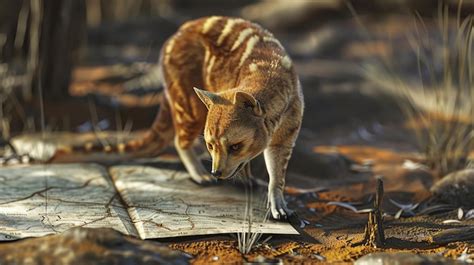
(234, 131)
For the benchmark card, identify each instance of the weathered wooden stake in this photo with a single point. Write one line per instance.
(374, 231)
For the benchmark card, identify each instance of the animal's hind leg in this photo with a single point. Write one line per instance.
(189, 124)
(189, 118)
(182, 72)
(159, 135)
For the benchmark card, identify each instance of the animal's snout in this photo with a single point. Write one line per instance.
(216, 174)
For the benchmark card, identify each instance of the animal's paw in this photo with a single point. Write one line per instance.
(203, 179)
(278, 205)
(15, 159)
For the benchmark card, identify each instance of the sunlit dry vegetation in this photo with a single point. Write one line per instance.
(437, 95)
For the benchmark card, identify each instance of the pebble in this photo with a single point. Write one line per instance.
(400, 258)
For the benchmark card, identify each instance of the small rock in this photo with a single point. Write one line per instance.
(89, 246)
(262, 260)
(456, 188)
(402, 258)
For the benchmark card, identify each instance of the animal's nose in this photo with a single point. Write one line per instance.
(216, 174)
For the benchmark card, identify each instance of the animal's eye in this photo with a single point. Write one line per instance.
(235, 147)
(209, 146)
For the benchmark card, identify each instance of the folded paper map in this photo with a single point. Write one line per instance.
(142, 201)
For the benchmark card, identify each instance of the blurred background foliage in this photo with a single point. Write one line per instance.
(42, 38)
(56, 53)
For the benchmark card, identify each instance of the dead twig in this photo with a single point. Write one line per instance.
(374, 231)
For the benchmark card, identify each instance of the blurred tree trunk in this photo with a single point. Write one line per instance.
(62, 28)
(43, 36)
(9, 13)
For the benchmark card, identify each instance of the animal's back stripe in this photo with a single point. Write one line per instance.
(242, 36)
(209, 23)
(229, 25)
(249, 48)
(286, 62)
(209, 69)
(169, 48)
(273, 40)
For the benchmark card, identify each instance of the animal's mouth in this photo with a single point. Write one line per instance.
(236, 170)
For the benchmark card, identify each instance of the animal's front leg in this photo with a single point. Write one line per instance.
(276, 160)
(193, 164)
(277, 155)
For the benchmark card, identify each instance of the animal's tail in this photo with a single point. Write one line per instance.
(152, 143)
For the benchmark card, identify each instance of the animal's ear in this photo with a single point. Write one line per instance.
(248, 101)
(208, 98)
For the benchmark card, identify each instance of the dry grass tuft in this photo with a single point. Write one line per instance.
(248, 239)
(441, 96)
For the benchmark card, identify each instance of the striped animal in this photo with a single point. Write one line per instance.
(232, 80)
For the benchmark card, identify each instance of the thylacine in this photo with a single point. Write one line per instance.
(232, 80)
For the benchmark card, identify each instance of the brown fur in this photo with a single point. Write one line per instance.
(251, 91)
(251, 101)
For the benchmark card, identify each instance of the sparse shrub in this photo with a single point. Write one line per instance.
(439, 99)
